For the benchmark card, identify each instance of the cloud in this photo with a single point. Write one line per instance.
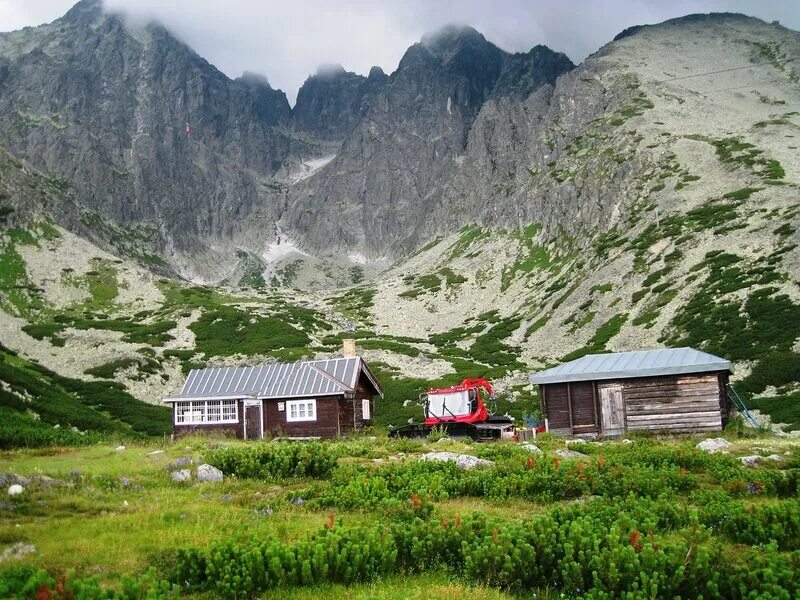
(288, 41)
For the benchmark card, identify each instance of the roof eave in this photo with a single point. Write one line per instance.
(655, 372)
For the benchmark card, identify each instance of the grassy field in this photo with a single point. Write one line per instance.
(111, 514)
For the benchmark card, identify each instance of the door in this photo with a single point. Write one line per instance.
(613, 409)
(253, 423)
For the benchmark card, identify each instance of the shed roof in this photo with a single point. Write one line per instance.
(302, 379)
(644, 363)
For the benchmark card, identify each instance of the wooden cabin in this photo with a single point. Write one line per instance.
(676, 390)
(306, 399)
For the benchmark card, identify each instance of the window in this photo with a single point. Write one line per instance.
(365, 409)
(206, 411)
(301, 410)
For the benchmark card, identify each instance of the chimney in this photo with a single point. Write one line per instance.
(349, 348)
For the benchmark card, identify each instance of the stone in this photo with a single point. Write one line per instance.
(119, 449)
(751, 461)
(776, 458)
(531, 448)
(208, 473)
(463, 461)
(17, 551)
(181, 476)
(569, 454)
(155, 453)
(15, 490)
(713, 445)
(627, 441)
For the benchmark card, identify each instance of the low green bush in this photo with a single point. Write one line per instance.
(40, 585)
(598, 551)
(274, 461)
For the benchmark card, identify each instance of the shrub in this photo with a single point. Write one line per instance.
(274, 461)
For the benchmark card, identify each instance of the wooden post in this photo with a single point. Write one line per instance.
(594, 403)
(569, 406)
(543, 400)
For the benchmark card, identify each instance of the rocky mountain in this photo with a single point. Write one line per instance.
(389, 173)
(146, 135)
(141, 132)
(486, 213)
(331, 103)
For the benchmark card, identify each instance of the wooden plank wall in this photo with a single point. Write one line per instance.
(326, 425)
(583, 407)
(679, 403)
(558, 406)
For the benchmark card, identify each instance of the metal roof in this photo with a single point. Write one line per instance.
(645, 363)
(301, 379)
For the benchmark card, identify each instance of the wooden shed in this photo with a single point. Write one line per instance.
(677, 389)
(306, 399)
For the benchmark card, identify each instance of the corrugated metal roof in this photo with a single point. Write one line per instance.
(280, 380)
(645, 363)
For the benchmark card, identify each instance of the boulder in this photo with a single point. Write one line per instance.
(119, 449)
(776, 458)
(208, 473)
(752, 461)
(713, 445)
(15, 490)
(181, 476)
(17, 551)
(627, 441)
(570, 454)
(531, 448)
(463, 461)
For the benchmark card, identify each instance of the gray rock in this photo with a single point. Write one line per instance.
(569, 453)
(208, 473)
(463, 461)
(17, 551)
(15, 490)
(751, 461)
(713, 445)
(627, 441)
(531, 448)
(119, 449)
(776, 458)
(181, 476)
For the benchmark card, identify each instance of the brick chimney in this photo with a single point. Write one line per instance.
(349, 348)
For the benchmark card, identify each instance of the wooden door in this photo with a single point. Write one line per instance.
(613, 408)
(252, 422)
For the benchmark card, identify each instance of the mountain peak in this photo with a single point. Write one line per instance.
(254, 79)
(329, 71)
(451, 36)
(696, 18)
(84, 11)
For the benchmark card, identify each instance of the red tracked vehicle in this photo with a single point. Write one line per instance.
(461, 411)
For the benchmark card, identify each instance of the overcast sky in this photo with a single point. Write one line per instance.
(288, 40)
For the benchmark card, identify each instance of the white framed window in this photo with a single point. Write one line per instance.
(194, 412)
(365, 409)
(301, 410)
